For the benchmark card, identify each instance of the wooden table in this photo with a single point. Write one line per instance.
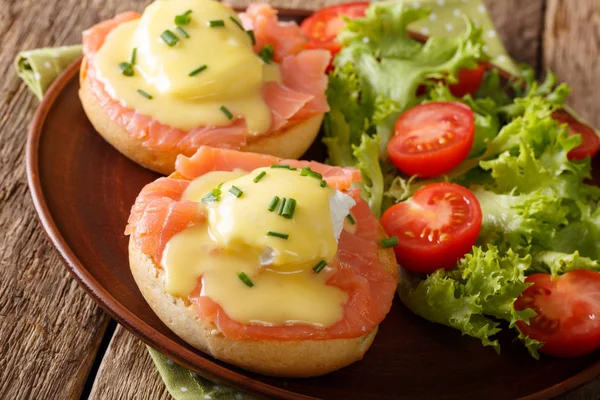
(55, 342)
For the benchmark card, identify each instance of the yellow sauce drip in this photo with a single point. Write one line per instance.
(286, 290)
(234, 74)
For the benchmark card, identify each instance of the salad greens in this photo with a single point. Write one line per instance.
(376, 77)
(539, 215)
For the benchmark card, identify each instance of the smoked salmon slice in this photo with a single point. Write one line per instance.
(299, 96)
(158, 214)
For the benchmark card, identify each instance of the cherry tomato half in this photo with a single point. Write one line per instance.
(323, 25)
(435, 228)
(589, 140)
(433, 138)
(469, 81)
(568, 312)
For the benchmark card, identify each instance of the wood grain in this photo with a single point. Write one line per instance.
(520, 30)
(572, 50)
(49, 328)
(127, 371)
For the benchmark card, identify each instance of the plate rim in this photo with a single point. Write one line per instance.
(194, 360)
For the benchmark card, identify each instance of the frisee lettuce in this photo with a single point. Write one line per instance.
(376, 77)
(539, 215)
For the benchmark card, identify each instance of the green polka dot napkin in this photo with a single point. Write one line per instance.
(39, 67)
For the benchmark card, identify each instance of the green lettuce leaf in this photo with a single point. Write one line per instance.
(482, 288)
(557, 263)
(376, 77)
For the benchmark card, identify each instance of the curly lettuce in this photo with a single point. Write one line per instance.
(376, 77)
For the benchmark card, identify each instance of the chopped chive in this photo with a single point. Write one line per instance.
(213, 195)
(169, 38)
(235, 191)
(227, 113)
(244, 278)
(126, 69)
(284, 166)
(389, 242)
(306, 171)
(273, 203)
(213, 23)
(323, 184)
(220, 185)
(133, 56)
(145, 94)
(252, 38)
(235, 21)
(182, 32)
(183, 19)
(259, 176)
(281, 206)
(289, 208)
(351, 219)
(319, 267)
(266, 53)
(198, 70)
(279, 235)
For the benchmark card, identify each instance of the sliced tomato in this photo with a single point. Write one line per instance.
(432, 139)
(435, 228)
(568, 312)
(469, 81)
(589, 140)
(322, 27)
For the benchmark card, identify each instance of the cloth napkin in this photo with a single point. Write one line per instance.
(39, 67)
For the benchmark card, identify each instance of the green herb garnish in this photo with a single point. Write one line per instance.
(183, 19)
(351, 219)
(284, 166)
(227, 113)
(273, 203)
(266, 53)
(126, 69)
(289, 208)
(319, 267)
(213, 195)
(133, 56)
(244, 278)
(279, 235)
(389, 242)
(252, 38)
(169, 38)
(259, 176)
(182, 32)
(198, 70)
(323, 183)
(215, 23)
(235, 191)
(238, 23)
(281, 206)
(145, 94)
(306, 171)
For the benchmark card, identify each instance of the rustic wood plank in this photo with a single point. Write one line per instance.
(520, 31)
(50, 329)
(572, 49)
(127, 371)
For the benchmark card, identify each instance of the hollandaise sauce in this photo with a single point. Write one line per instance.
(263, 263)
(187, 64)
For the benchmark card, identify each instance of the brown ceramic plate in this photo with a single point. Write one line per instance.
(83, 190)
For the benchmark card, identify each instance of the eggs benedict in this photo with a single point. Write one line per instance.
(188, 73)
(273, 265)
